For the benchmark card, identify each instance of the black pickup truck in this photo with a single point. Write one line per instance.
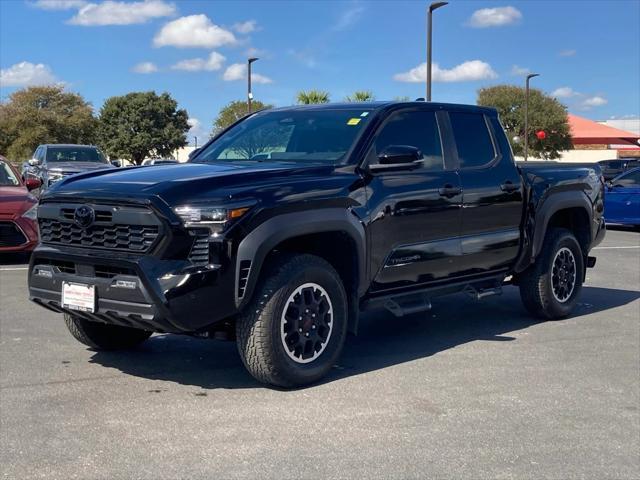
(283, 228)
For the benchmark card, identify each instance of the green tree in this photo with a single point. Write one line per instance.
(234, 111)
(312, 96)
(361, 96)
(140, 124)
(36, 115)
(545, 113)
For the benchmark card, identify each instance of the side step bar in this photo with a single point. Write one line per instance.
(407, 303)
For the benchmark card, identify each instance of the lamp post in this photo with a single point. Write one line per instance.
(432, 7)
(526, 114)
(249, 94)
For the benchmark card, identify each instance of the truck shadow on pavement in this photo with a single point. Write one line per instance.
(383, 340)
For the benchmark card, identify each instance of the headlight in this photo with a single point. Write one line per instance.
(32, 213)
(214, 218)
(55, 177)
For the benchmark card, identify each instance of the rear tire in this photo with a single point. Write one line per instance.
(294, 328)
(101, 336)
(550, 287)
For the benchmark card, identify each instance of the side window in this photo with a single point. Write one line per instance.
(417, 129)
(473, 140)
(38, 153)
(630, 180)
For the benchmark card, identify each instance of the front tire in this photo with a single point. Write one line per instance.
(550, 287)
(293, 330)
(101, 336)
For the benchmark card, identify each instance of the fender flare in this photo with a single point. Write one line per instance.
(556, 202)
(261, 241)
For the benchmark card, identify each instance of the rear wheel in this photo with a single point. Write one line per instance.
(293, 330)
(550, 287)
(102, 336)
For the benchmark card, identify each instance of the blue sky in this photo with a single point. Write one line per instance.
(587, 52)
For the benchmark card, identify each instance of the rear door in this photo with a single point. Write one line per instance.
(492, 198)
(414, 215)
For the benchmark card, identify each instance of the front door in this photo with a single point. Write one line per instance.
(414, 215)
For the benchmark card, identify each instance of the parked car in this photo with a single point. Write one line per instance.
(613, 168)
(52, 163)
(159, 161)
(350, 207)
(622, 199)
(18, 227)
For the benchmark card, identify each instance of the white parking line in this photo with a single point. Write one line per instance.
(11, 269)
(611, 248)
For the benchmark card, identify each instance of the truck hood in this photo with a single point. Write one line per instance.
(75, 167)
(182, 181)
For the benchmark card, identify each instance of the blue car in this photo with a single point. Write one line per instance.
(622, 199)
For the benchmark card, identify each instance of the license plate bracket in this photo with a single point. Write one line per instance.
(79, 296)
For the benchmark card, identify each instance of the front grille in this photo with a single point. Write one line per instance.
(124, 228)
(199, 254)
(62, 266)
(11, 235)
(131, 238)
(100, 215)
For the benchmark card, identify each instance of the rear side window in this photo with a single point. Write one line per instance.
(473, 140)
(417, 129)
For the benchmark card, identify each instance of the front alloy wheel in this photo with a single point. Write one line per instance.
(293, 330)
(306, 323)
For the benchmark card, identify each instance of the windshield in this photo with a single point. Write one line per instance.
(74, 154)
(7, 177)
(293, 136)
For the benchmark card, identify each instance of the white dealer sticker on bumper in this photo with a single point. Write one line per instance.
(78, 296)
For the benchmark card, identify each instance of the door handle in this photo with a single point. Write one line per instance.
(509, 186)
(449, 191)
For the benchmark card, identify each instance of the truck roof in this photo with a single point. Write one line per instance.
(379, 105)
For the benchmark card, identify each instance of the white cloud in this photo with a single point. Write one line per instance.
(465, 72)
(520, 71)
(595, 101)
(245, 27)
(494, 17)
(144, 67)
(59, 4)
(564, 92)
(197, 130)
(122, 13)
(213, 62)
(349, 17)
(238, 71)
(25, 74)
(567, 53)
(193, 31)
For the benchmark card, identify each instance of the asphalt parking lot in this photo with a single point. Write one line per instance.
(469, 390)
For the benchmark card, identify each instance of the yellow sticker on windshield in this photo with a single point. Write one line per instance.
(353, 121)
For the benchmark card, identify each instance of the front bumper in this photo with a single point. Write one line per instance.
(142, 292)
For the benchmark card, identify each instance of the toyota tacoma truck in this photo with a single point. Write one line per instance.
(287, 225)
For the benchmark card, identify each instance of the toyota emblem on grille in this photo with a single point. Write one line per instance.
(84, 216)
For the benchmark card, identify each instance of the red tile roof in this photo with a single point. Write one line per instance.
(585, 131)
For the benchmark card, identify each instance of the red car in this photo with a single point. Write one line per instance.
(18, 208)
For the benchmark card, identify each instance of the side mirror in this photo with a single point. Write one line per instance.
(34, 162)
(398, 157)
(116, 163)
(32, 183)
(193, 153)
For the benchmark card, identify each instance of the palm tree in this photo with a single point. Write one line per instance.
(312, 96)
(361, 96)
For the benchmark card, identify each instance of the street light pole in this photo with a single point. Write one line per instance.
(526, 114)
(249, 94)
(432, 7)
